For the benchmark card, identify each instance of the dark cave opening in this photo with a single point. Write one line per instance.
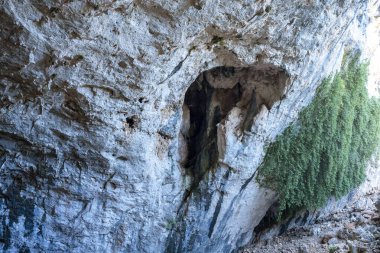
(207, 106)
(209, 100)
(271, 225)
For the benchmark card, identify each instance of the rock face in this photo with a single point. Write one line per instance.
(137, 126)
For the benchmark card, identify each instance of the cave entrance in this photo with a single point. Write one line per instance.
(208, 101)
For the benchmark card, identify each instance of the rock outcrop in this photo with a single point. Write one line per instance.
(137, 126)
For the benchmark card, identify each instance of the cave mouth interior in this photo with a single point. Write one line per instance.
(211, 97)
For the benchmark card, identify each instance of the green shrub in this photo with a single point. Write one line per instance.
(333, 249)
(325, 152)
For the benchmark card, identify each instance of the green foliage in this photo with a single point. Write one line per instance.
(333, 249)
(326, 151)
(170, 224)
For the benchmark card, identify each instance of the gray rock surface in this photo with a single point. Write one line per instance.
(92, 106)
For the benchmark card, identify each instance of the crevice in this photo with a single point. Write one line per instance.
(218, 206)
(242, 188)
(176, 68)
(215, 216)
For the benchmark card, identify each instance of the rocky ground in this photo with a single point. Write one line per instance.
(356, 229)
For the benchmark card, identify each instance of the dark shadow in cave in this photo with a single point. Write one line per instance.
(208, 106)
(208, 101)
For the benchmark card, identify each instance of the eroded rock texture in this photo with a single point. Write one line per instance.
(209, 100)
(106, 107)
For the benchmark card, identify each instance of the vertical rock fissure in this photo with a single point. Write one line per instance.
(218, 207)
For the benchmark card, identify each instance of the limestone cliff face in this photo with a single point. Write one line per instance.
(137, 126)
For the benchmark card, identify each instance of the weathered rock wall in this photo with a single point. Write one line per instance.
(91, 106)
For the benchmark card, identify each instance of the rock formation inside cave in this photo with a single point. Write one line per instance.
(211, 97)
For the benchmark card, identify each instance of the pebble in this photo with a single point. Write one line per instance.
(303, 249)
(352, 248)
(361, 220)
(363, 234)
(333, 241)
(350, 225)
(377, 205)
(315, 231)
(343, 234)
(363, 204)
(326, 238)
